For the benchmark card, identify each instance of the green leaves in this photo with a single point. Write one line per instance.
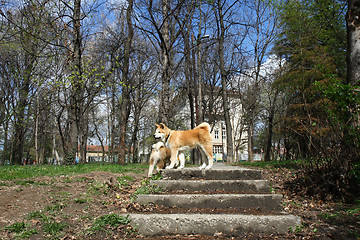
(343, 107)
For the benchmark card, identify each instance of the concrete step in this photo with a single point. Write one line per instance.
(212, 174)
(245, 186)
(211, 224)
(271, 202)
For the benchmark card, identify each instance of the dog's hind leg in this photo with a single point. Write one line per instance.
(173, 159)
(202, 166)
(182, 160)
(207, 149)
(160, 164)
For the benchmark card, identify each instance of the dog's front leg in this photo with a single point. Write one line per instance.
(173, 159)
(153, 162)
(151, 168)
(182, 160)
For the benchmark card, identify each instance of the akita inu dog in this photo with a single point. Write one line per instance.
(179, 141)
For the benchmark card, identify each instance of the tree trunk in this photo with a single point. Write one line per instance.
(166, 64)
(111, 125)
(70, 140)
(353, 42)
(134, 139)
(125, 108)
(250, 141)
(353, 75)
(229, 139)
(268, 145)
(18, 144)
(189, 78)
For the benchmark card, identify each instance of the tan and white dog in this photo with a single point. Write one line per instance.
(180, 141)
(160, 155)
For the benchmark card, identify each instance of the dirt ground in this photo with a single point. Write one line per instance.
(70, 207)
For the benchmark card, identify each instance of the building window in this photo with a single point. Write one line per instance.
(217, 149)
(216, 134)
(223, 134)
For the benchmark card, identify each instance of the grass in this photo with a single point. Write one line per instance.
(15, 227)
(55, 207)
(98, 188)
(146, 188)
(124, 180)
(53, 227)
(156, 176)
(342, 211)
(49, 225)
(291, 164)
(30, 171)
(108, 221)
(37, 215)
(21, 230)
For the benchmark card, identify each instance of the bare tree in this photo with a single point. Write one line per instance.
(163, 29)
(261, 22)
(22, 46)
(145, 84)
(125, 104)
(221, 9)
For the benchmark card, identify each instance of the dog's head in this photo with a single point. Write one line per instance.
(157, 146)
(161, 131)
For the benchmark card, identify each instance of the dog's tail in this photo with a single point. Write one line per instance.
(204, 125)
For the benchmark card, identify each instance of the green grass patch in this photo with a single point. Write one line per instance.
(16, 227)
(124, 181)
(156, 176)
(25, 182)
(83, 179)
(30, 171)
(291, 164)
(55, 207)
(53, 228)
(343, 211)
(98, 188)
(108, 221)
(81, 200)
(27, 233)
(37, 215)
(49, 225)
(21, 230)
(5, 184)
(146, 188)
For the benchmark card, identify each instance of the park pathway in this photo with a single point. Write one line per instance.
(243, 198)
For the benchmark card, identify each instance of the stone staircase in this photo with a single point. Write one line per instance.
(243, 198)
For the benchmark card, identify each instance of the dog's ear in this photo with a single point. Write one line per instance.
(162, 126)
(157, 126)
